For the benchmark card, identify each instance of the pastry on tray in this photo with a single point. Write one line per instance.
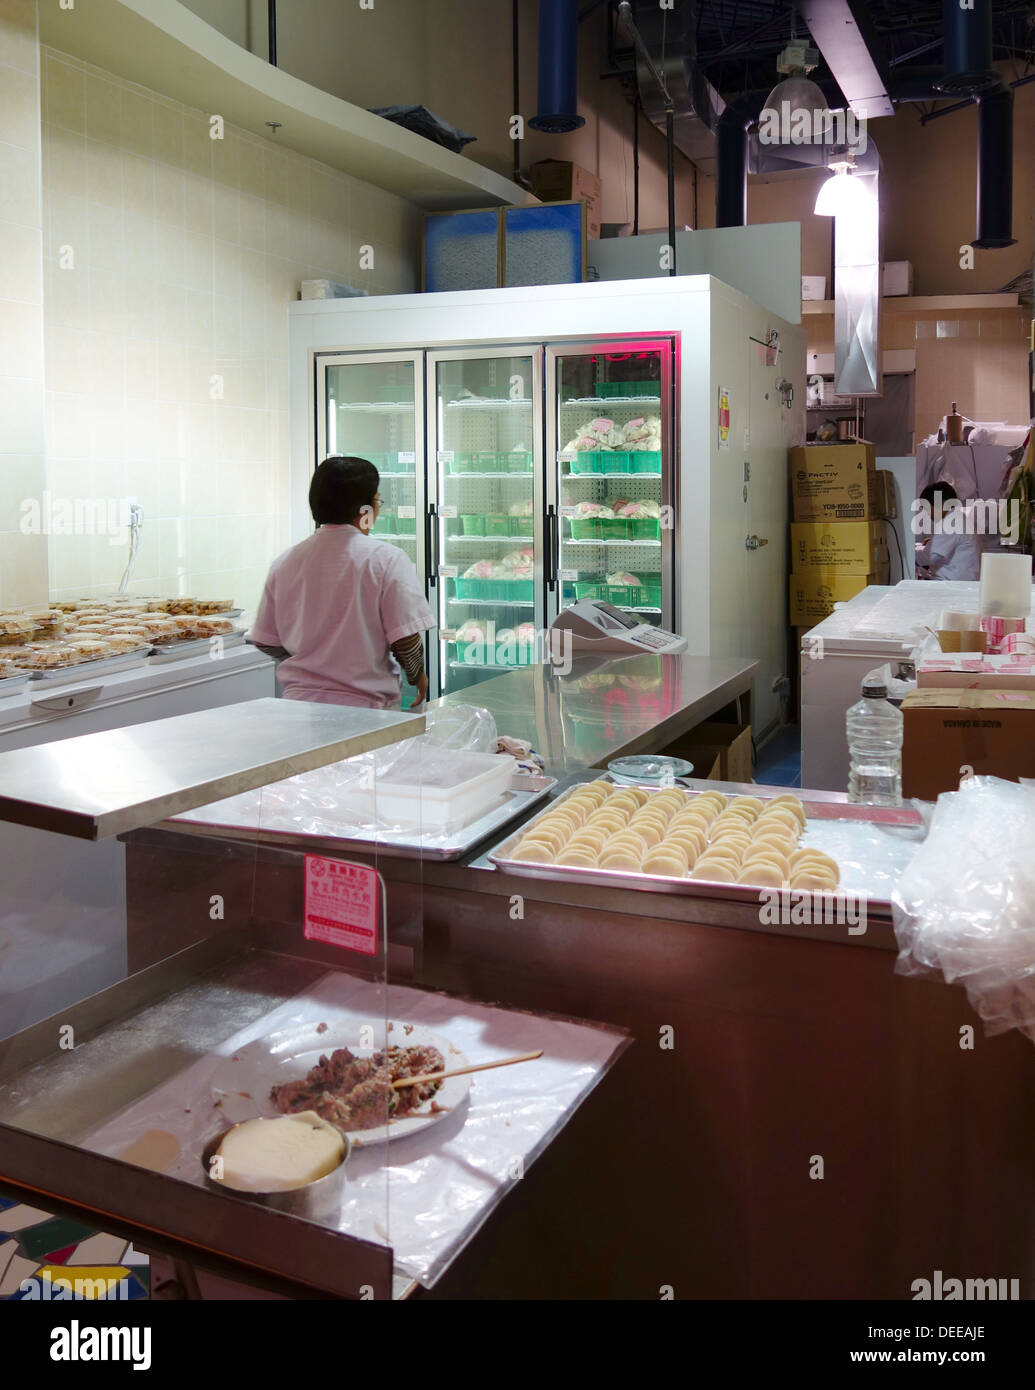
(708, 837)
(214, 605)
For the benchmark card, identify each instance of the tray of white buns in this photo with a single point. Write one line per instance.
(672, 840)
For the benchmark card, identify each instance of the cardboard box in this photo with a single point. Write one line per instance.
(813, 287)
(727, 745)
(831, 482)
(883, 499)
(967, 671)
(560, 181)
(847, 547)
(815, 591)
(896, 278)
(945, 731)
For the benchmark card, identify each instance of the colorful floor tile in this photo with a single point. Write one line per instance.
(47, 1257)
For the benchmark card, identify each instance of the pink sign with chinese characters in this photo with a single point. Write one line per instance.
(342, 904)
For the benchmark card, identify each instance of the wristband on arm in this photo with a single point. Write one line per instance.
(409, 652)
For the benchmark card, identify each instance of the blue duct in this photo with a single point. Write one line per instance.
(995, 170)
(558, 68)
(732, 169)
(968, 48)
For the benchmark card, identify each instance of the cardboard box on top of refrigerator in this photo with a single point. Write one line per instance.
(728, 745)
(944, 730)
(832, 482)
(561, 181)
(814, 593)
(849, 547)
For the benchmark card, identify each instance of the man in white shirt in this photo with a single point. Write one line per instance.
(344, 610)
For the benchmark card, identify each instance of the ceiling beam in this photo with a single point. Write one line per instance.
(843, 34)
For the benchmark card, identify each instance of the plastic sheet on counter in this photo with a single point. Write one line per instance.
(444, 1181)
(871, 855)
(327, 801)
(965, 907)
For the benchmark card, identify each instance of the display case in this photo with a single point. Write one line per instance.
(486, 440)
(611, 435)
(263, 988)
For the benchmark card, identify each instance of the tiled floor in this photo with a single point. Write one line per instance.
(48, 1257)
(779, 760)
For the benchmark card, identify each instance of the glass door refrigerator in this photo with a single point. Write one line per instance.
(485, 520)
(372, 405)
(610, 500)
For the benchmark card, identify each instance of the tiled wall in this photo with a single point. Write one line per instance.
(23, 557)
(169, 260)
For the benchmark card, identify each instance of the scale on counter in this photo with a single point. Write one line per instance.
(601, 627)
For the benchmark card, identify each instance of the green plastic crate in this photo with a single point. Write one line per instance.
(473, 525)
(485, 461)
(645, 529)
(521, 525)
(614, 528)
(616, 461)
(497, 525)
(645, 461)
(607, 389)
(587, 462)
(586, 530)
(386, 524)
(406, 526)
(585, 588)
(516, 461)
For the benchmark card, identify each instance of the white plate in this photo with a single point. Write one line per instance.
(243, 1082)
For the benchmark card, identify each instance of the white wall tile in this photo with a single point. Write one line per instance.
(103, 109)
(21, 264)
(21, 340)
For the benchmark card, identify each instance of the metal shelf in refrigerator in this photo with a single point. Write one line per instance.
(409, 473)
(452, 540)
(584, 402)
(639, 544)
(486, 405)
(375, 406)
(468, 477)
(493, 602)
(489, 665)
(596, 477)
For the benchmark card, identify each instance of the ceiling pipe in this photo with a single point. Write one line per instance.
(558, 68)
(995, 170)
(968, 48)
(731, 182)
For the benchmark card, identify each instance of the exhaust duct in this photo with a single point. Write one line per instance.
(558, 68)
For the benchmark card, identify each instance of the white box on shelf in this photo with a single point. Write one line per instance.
(329, 289)
(813, 287)
(896, 278)
(438, 791)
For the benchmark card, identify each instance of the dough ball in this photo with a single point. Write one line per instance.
(717, 799)
(648, 830)
(609, 821)
(753, 803)
(814, 856)
(782, 815)
(624, 800)
(780, 835)
(793, 804)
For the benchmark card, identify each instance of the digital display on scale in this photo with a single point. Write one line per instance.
(618, 619)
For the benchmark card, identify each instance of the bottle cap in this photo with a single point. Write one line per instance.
(874, 690)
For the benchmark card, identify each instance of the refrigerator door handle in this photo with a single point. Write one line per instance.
(431, 542)
(552, 539)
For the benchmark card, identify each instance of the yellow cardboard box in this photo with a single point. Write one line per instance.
(834, 482)
(814, 593)
(560, 181)
(850, 547)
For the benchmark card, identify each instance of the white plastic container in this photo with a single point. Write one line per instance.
(437, 791)
(1005, 586)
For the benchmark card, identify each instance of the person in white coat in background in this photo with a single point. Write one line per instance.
(948, 545)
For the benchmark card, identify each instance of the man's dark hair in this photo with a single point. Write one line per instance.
(945, 491)
(341, 488)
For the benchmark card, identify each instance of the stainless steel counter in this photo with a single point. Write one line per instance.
(603, 709)
(102, 784)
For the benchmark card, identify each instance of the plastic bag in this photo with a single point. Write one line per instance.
(965, 906)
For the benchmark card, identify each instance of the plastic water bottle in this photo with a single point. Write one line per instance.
(874, 730)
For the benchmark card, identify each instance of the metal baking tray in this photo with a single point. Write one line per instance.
(525, 792)
(499, 856)
(179, 651)
(87, 670)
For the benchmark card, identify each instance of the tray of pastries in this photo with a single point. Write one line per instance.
(673, 840)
